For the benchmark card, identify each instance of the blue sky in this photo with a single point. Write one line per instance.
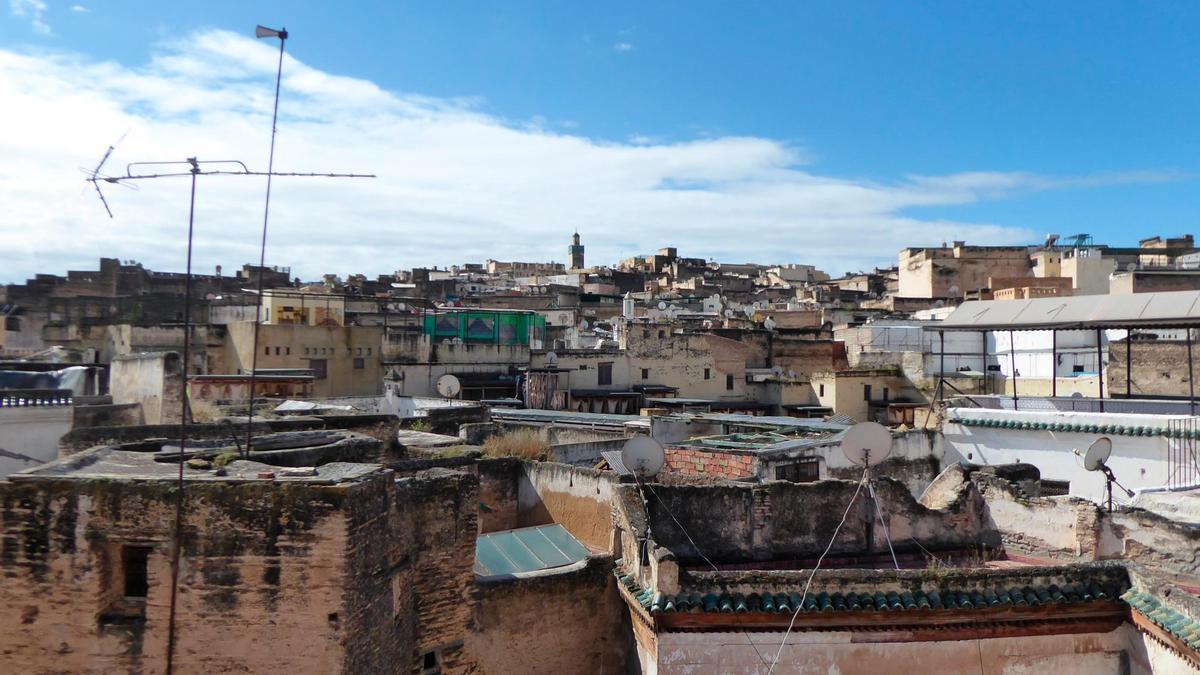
(1080, 117)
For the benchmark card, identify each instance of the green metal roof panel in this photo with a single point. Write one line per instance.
(527, 549)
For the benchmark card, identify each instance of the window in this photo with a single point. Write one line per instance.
(729, 382)
(368, 351)
(277, 351)
(319, 367)
(885, 394)
(662, 334)
(583, 366)
(266, 351)
(707, 374)
(134, 560)
(359, 364)
(804, 471)
(1055, 488)
(604, 373)
(645, 373)
(288, 351)
(12, 323)
(866, 392)
(820, 390)
(359, 352)
(429, 663)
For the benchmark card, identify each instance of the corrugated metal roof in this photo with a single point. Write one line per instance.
(613, 457)
(1174, 308)
(528, 549)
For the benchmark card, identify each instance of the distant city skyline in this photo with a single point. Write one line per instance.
(824, 135)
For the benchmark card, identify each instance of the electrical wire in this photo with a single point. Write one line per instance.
(807, 584)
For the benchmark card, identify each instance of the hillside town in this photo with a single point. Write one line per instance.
(428, 471)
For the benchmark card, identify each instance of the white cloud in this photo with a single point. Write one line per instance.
(455, 183)
(623, 46)
(35, 11)
(80, 9)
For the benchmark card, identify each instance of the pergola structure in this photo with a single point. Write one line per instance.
(1174, 309)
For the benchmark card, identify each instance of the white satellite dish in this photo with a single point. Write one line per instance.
(662, 305)
(1097, 453)
(583, 324)
(551, 358)
(769, 324)
(448, 386)
(867, 443)
(643, 456)
(1131, 267)
(729, 314)
(1095, 460)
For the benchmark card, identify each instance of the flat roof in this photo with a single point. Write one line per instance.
(1171, 308)
(110, 463)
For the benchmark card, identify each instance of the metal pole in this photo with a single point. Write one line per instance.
(1012, 363)
(942, 368)
(185, 413)
(1100, 366)
(1129, 363)
(262, 254)
(1191, 382)
(1053, 363)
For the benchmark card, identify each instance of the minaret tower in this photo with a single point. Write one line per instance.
(575, 253)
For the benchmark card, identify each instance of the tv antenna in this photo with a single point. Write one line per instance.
(192, 167)
(1095, 459)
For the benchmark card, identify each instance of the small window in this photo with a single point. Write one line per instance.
(583, 366)
(359, 364)
(645, 373)
(319, 367)
(288, 351)
(729, 382)
(266, 351)
(278, 351)
(804, 471)
(866, 392)
(604, 373)
(359, 351)
(885, 394)
(12, 323)
(135, 561)
(662, 334)
(707, 374)
(820, 390)
(429, 663)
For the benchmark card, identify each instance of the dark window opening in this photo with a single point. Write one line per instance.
(729, 382)
(287, 350)
(707, 374)
(1055, 488)
(804, 471)
(866, 392)
(885, 394)
(358, 364)
(604, 373)
(1077, 369)
(583, 366)
(135, 561)
(266, 351)
(429, 662)
(645, 373)
(662, 334)
(820, 390)
(12, 323)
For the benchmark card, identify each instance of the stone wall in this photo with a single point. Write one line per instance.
(153, 380)
(435, 514)
(569, 621)
(782, 520)
(280, 559)
(1159, 368)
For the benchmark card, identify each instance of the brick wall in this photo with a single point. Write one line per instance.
(695, 462)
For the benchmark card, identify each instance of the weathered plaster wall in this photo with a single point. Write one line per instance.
(29, 436)
(1158, 368)
(578, 499)
(153, 380)
(1114, 653)
(557, 622)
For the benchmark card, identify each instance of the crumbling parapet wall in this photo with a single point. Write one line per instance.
(435, 520)
(570, 621)
(782, 520)
(277, 558)
(1070, 528)
(578, 499)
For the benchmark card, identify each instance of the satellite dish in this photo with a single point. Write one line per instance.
(583, 324)
(1097, 454)
(662, 305)
(1095, 460)
(729, 314)
(643, 456)
(551, 358)
(867, 443)
(448, 386)
(1131, 267)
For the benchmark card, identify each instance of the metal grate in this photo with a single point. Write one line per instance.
(1183, 466)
